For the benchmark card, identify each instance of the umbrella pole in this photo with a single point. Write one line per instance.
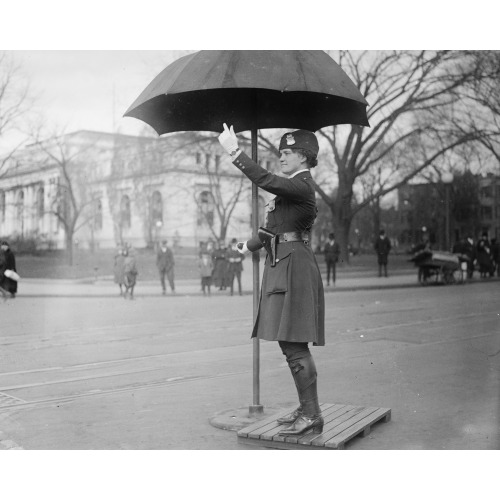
(256, 407)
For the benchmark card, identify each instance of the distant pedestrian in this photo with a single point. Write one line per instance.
(332, 252)
(422, 251)
(165, 264)
(119, 276)
(220, 265)
(206, 267)
(495, 254)
(130, 273)
(382, 247)
(235, 266)
(483, 255)
(469, 250)
(9, 276)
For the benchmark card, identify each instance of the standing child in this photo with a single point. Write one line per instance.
(206, 267)
(130, 273)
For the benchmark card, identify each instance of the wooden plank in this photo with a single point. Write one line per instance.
(271, 432)
(278, 445)
(339, 417)
(268, 424)
(329, 419)
(251, 428)
(344, 423)
(358, 427)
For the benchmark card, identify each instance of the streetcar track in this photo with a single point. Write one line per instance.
(152, 356)
(98, 392)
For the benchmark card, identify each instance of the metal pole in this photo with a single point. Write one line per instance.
(256, 407)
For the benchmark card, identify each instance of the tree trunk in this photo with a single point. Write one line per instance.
(376, 217)
(342, 228)
(69, 247)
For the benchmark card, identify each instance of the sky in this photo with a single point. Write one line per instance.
(91, 90)
(86, 64)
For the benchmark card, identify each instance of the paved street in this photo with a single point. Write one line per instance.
(82, 370)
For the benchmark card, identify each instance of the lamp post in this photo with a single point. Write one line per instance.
(447, 179)
(158, 225)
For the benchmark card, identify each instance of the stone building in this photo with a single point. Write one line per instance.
(99, 189)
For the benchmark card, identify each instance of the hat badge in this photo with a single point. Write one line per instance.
(290, 139)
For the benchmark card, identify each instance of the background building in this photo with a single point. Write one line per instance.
(96, 190)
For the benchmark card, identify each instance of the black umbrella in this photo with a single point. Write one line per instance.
(251, 90)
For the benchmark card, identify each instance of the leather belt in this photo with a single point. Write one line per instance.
(293, 236)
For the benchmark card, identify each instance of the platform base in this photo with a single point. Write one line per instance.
(342, 423)
(234, 420)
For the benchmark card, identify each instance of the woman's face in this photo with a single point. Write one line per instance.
(291, 161)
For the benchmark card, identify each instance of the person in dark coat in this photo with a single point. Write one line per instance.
(9, 264)
(483, 255)
(332, 252)
(495, 254)
(234, 267)
(291, 308)
(382, 247)
(165, 263)
(220, 265)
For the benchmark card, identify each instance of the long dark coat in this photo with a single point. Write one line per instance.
(382, 247)
(332, 252)
(8, 262)
(292, 302)
(220, 267)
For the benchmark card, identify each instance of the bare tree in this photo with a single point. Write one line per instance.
(417, 115)
(73, 203)
(13, 106)
(226, 189)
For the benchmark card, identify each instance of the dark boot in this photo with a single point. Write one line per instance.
(308, 415)
(290, 419)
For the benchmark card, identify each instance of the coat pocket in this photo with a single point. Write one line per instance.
(277, 277)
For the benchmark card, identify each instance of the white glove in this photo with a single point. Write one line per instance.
(242, 247)
(228, 140)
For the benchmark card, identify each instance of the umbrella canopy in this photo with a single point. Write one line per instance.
(250, 89)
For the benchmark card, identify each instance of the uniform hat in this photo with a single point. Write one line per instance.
(300, 139)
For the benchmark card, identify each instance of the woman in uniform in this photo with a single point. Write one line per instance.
(291, 307)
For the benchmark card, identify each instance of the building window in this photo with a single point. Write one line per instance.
(486, 212)
(2, 206)
(125, 215)
(40, 202)
(156, 207)
(486, 192)
(206, 207)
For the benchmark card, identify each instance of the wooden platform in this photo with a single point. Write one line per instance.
(342, 423)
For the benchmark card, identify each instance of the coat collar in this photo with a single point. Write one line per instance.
(298, 172)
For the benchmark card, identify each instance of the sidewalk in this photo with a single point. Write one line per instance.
(105, 287)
